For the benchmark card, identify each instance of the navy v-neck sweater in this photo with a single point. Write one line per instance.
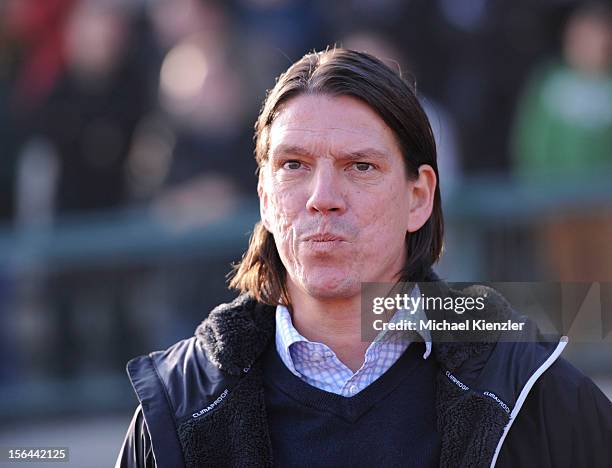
(391, 423)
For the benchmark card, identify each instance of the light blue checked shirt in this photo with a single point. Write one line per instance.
(317, 365)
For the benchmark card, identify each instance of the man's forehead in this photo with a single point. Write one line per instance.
(343, 123)
(332, 113)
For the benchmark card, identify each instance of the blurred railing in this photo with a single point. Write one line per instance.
(489, 222)
(121, 238)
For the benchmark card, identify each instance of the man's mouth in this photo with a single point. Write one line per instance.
(324, 237)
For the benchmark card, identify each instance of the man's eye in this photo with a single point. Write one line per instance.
(363, 167)
(292, 165)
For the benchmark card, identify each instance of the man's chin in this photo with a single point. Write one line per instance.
(333, 288)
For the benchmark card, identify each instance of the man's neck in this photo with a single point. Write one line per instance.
(335, 323)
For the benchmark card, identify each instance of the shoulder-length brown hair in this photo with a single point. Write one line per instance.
(339, 72)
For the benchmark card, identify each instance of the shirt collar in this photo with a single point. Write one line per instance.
(286, 334)
(403, 314)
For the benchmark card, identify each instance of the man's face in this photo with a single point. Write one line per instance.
(335, 195)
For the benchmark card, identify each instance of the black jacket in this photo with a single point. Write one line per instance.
(499, 403)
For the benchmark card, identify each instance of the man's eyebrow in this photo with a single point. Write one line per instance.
(364, 153)
(286, 149)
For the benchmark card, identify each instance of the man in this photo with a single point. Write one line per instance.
(348, 195)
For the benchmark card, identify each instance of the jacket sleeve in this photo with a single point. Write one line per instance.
(593, 426)
(137, 451)
(565, 422)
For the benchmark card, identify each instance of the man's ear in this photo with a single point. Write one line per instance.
(422, 191)
(264, 201)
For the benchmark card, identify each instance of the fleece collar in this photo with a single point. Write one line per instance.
(235, 334)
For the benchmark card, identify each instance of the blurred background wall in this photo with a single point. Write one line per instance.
(127, 180)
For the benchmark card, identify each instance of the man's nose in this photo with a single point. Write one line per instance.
(326, 191)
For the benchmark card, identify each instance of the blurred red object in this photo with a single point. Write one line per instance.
(38, 26)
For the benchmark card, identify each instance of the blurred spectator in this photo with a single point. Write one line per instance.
(88, 120)
(563, 134)
(204, 102)
(564, 120)
(277, 32)
(30, 63)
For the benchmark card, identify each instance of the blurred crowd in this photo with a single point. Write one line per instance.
(111, 103)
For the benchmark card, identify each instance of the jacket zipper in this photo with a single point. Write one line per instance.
(526, 389)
